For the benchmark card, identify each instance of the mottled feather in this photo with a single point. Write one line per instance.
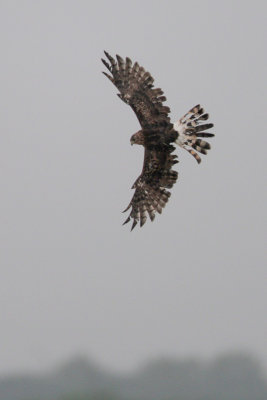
(136, 89)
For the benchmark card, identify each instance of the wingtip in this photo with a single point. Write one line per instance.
(134, 224)
(152, 215)
(119, 58)
(105, 63)
(127, 220)
(142, 222)
(127, 208)
(108, 76)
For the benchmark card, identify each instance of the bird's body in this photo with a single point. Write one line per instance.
(158, 136)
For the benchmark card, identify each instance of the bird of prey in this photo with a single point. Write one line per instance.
(158, 136)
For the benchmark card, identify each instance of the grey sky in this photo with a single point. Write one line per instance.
(72, 278)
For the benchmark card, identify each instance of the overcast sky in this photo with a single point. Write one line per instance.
(73, 279)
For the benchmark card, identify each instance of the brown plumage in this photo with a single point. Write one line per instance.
(157, 135)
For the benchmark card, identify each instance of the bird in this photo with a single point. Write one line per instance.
(158, 135)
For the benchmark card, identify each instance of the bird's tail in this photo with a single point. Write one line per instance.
(190, 131)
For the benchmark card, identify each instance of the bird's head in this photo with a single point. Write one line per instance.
(137, 138)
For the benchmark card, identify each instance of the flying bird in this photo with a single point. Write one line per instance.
(158, 136)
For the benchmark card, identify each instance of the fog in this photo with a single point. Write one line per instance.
(73, 279)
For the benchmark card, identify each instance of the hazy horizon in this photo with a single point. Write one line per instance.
(73, 279)
(83, 358)
(238, 374)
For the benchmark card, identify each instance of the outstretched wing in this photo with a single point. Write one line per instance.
(150, 194)
(136, 89)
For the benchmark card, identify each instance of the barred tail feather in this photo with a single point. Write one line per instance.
(190, 129)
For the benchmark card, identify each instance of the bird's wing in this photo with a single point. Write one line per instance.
(150, 194)
(137, 89)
